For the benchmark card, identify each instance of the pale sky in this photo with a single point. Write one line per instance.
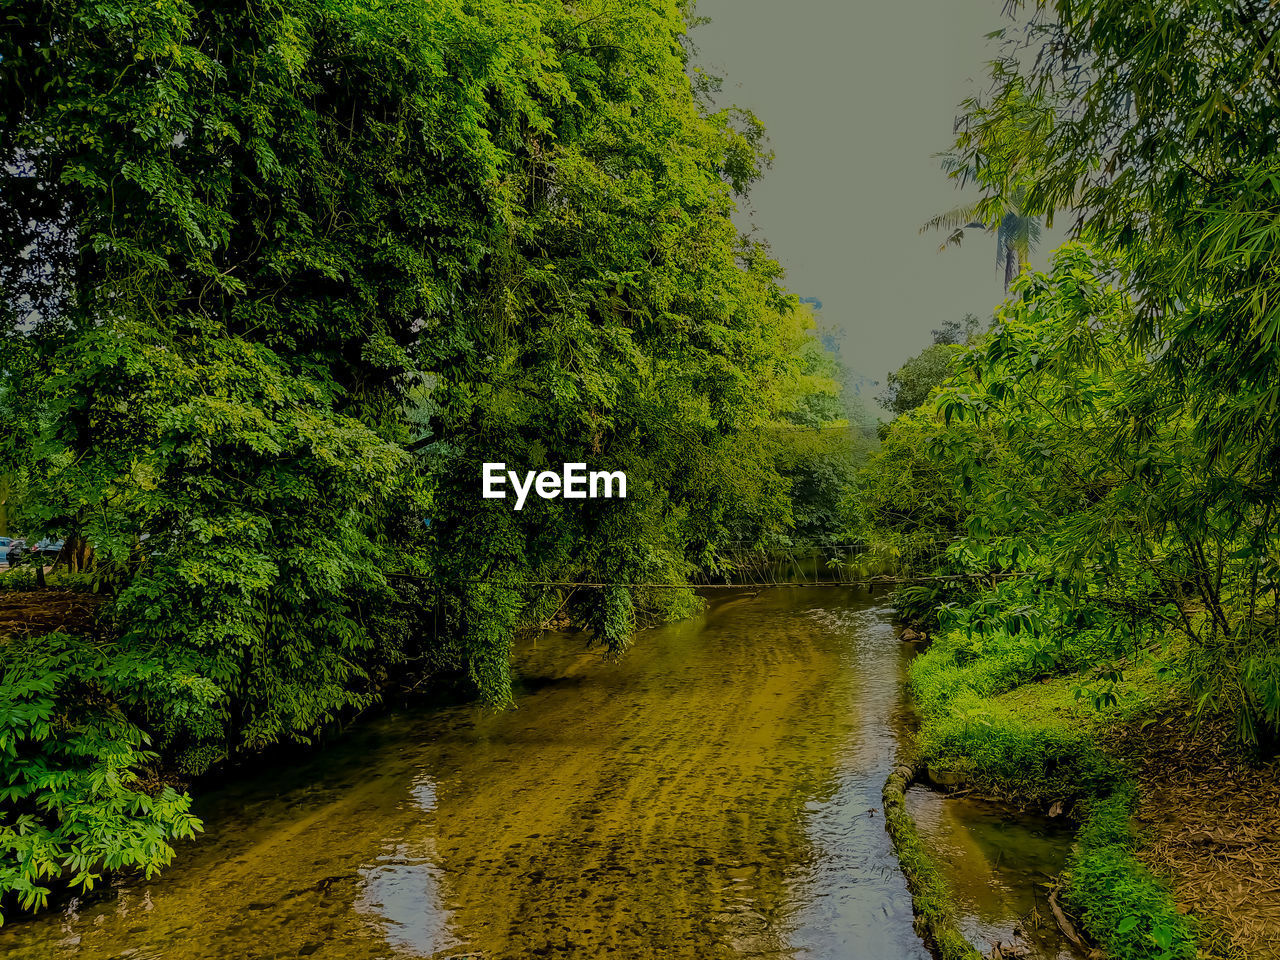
(858, 97)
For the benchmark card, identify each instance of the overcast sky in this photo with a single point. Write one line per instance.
(858, 96)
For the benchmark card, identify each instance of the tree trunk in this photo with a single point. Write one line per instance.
(76, 553)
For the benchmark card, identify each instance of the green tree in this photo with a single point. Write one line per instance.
(275, 281)
(1153, 130)
(911, 384)
(1017, 235)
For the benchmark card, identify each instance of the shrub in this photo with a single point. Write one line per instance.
(1122, 905)
(72, 800)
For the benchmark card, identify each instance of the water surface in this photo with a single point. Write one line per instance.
(714, 795)
(998, 866)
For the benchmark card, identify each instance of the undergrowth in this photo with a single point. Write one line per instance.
(27, 578)
(1018, 717)
(74, 801)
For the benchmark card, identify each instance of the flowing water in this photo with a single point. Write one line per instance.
(715, 794)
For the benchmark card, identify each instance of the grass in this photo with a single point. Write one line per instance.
(1025, 726)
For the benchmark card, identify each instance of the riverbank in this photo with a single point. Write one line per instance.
(1179, 833)
(935, 909)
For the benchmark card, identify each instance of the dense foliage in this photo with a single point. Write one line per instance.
(275, 280)
(910, 385)
(69, 762)
(1093, 495)
(1059, 488)
(1114, 438)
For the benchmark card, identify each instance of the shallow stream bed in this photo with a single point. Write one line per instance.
(714, 794)
(999, 865)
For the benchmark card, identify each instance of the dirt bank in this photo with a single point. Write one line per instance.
(34, 612)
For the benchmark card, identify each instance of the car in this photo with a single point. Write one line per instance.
(14, 551)
(48, 548)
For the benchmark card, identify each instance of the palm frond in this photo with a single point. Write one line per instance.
(956, 221)
(957, 218)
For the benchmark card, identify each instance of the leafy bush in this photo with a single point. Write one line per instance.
(18, 578)
(25, 578)
(1122, 905)
(73, 803)
(1037, 762)
(1014, 633)
(1020, 746)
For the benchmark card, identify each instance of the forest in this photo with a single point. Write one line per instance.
(278, 279)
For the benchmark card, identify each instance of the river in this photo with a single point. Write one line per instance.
(714, 794)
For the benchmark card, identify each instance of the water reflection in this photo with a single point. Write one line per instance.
(855, 902)
(400, 891)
